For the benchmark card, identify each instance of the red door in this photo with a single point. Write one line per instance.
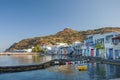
(92, 52)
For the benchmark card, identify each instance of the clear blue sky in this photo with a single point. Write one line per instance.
(21, 19)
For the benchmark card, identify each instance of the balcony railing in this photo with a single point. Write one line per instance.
(115, 43)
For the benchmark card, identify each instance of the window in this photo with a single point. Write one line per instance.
(109, 38)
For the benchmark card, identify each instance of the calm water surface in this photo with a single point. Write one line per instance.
(22, 60)
(65, 72)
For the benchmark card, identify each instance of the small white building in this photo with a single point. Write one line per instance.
(47, 47)
(88, 46)
(84, 50)
(77, 47)
(28, 50)
(58, 48)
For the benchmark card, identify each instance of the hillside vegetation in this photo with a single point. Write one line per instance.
(67, 36)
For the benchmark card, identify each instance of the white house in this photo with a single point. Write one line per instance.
(100, 45)
(116, 47)
(84, 50)
(77, 47)
(109, 46)
(89, 46)
(28, 50)
(58, 48)
(104, 46)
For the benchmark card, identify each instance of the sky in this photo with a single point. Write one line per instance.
(21, 19)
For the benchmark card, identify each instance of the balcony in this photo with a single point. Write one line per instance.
(100, 46)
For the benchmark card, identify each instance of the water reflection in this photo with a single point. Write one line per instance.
(95, 71)
(41, 59)
(68, 72)
(103, 71)
(117, 73)
(67, 69)
(64, 72)
(22, 60)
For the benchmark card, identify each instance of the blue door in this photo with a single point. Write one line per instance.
(85, 52)
(97, 52)
(116, 53)
(111, 53)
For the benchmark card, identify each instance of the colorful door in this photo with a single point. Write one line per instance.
(116, 54)
(111, 53)
(97, 52)
(85, 53)
(92, 52)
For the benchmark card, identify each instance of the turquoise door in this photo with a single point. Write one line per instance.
(97, 52)
(111, 53)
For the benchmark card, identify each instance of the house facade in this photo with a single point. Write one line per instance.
(100, 45)
(116, 45)
(89, 48)
(76, 46)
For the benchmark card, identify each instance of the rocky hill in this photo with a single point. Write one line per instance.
(67, 35)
